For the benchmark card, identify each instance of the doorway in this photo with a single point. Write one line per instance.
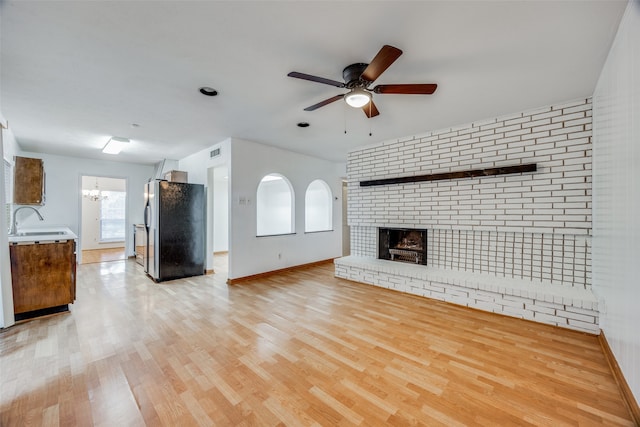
(103, 231)
(219, 198)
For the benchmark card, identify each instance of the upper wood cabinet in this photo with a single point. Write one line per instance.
(28, 181)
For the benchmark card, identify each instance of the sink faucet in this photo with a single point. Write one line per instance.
(14, 224)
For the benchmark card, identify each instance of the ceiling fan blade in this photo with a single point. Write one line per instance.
(323, 103)
(370, 109)
(316, 79)
(409, 89)
(385, 57)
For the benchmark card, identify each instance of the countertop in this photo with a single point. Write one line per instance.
(42, 234)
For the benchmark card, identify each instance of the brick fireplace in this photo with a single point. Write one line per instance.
(517, 244)
(403, 245)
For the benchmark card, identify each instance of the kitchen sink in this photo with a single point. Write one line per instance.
(43, 234)
(40, 233)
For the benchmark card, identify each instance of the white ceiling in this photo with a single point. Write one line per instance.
(75, 73)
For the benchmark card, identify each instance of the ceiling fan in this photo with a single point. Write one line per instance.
(358, 77)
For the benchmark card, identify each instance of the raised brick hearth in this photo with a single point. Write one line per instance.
(536, 300)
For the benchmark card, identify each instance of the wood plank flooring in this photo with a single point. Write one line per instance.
(92, 256)
(300, 348)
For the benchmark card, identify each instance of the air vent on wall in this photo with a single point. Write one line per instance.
(214, 153)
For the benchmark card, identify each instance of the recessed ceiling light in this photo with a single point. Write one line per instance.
(209, 91)
(303, 125)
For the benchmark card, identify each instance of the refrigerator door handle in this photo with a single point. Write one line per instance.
(146, 216)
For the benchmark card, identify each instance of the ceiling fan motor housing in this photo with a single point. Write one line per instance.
(351, 75)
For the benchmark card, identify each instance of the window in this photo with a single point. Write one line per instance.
(112, 216)
(8, 190)
(274, 206)
(318, 210)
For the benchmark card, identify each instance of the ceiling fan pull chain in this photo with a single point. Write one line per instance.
(344, 115)
(370, 125)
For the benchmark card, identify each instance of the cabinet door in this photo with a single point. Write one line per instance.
(28, 181)
(42, 275)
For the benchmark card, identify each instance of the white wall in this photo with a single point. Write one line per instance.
(616, 196)
(248, 254)
(221, 209)
(198, 163)
(11, 147)
(63, 182)
(91, 212)
(8, 146)
(247, 163)
(554, 199)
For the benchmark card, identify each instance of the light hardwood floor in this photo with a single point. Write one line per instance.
(298, 348)
(102, 255)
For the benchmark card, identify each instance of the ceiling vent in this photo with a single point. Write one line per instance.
(214, 153)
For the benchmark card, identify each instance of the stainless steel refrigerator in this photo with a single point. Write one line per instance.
(174, 219)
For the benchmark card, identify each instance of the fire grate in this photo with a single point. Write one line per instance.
(403, 244)
(408, 256)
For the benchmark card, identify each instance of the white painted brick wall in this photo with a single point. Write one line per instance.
(531, 225)
(528, 227)
(557, 138)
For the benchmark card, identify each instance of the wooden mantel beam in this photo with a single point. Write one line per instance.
(530, 167)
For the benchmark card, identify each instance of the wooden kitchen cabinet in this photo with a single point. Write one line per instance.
(43, 275)
(28, 181)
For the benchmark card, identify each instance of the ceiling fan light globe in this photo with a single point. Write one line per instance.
(358, 98)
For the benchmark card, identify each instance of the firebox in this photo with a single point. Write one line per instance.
(403, 244)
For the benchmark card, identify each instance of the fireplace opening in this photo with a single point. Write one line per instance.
(403, 244)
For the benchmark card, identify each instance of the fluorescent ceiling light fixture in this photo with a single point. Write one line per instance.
(358, 98)
(115, 145)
